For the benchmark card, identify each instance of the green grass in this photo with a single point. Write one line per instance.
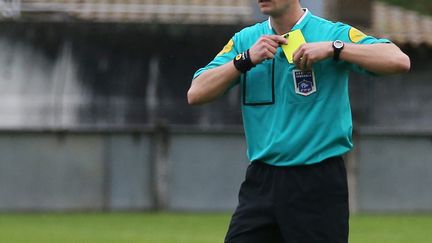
(391, 229)
(421, 6)
(184, 228)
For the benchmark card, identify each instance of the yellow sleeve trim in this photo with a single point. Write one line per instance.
(227, 48)
(356, 35)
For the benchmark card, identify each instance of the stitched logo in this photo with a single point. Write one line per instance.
(304, 82)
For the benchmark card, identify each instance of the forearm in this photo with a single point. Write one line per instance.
(381, 58)
(212, 84)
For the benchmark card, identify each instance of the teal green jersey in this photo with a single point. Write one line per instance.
(292, 117)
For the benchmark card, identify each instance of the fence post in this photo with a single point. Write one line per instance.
(160, 165)
(351, 167)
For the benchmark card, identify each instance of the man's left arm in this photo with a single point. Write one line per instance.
(378, 58)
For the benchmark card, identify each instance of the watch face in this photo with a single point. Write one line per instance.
(338, 44)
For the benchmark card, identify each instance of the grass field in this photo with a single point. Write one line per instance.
(184, 228)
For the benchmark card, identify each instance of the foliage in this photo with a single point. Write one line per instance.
(421, 6)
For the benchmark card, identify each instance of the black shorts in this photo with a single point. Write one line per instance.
(301, 204)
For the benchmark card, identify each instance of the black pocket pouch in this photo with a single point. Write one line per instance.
(258, 85)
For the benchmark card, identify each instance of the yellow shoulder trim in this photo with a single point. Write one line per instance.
(227, 48)
(356, 35)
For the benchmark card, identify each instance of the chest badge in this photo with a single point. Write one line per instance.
(304, 82)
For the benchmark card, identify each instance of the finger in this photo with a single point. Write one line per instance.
(271, 42)
(278, 39)
(309, 64)
(298, 61)
(298, 54)
(269, 55)
(303, 63)
(270, 48)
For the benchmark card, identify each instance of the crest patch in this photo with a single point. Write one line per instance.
(304, 82)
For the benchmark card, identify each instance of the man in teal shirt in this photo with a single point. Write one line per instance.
(297, 119)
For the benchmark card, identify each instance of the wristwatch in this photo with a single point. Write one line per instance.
(337, 48)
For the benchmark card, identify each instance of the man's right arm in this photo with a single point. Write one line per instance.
(213, 83)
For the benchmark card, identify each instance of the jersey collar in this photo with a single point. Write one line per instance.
(300, 23)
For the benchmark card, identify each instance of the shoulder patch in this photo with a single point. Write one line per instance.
(356, 35)
(227, 48)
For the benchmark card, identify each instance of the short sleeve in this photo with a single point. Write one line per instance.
(350, 34)
(227, 54)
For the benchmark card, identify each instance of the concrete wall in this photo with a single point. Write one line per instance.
(394, 172)
(51, 172)
(203, 171)
(58, 75)
(74, 171)
(206, 171)
(118, 171)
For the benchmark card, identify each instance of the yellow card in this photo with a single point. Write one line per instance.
(295, 40)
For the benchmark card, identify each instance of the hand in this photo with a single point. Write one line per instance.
(310, 53)
(265, 48)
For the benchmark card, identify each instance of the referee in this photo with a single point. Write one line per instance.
(297, 120)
